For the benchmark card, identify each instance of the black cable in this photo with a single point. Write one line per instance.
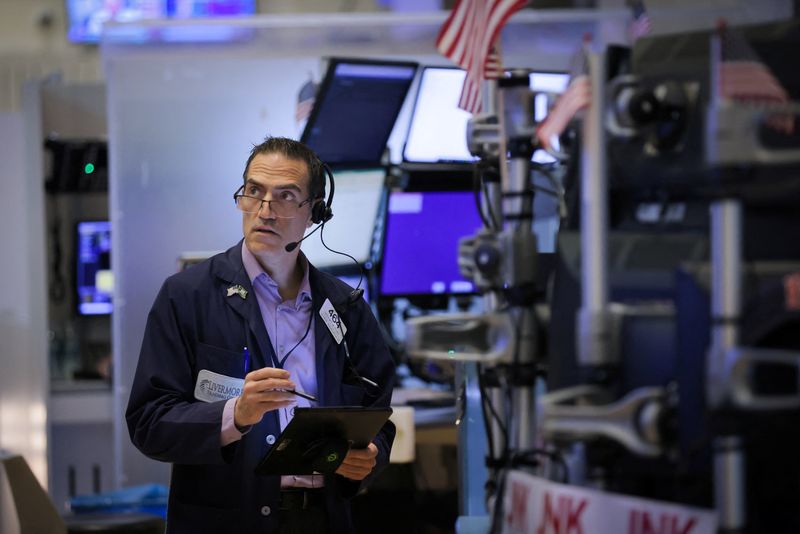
(492, 216)
(493, 412)
(358, 263)
(486, 423)
(476, 189)
(524, 458)
(497, 514)
(280, 362)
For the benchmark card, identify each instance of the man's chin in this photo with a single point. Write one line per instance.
(264, 243)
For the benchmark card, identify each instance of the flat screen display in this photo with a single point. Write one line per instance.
(86, 17)
(93, 276)
(420, 251)
(438, 128)
(355, 111)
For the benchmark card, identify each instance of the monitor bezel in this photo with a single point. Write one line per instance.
(325, 86)
(425, 299)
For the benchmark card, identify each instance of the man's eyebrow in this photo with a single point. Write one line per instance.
(291, 186)
(288, 185)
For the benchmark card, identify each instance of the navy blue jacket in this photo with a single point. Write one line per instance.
(195, 325)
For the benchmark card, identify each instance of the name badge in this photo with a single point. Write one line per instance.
(333, 321)
(213, 387)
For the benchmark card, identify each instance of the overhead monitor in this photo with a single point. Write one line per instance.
(355, 110)
(93, 277)
(86, 17)
(420, 247)
(438, 129)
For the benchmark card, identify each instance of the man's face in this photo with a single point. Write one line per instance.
(274, 176)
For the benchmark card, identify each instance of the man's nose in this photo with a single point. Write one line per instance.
(265, 210)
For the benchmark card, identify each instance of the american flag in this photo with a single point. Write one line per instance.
(468, 38)
(742, 77)
(305, 101)
(577, 96)
(640, 22)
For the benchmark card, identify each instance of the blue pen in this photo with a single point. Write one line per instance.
(246, 360)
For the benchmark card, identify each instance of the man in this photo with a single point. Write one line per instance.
(188, 404)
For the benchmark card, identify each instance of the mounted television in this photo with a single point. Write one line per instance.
(420, 247)
(93, 277)
(355, 111)
(438, 129)
(86, 17)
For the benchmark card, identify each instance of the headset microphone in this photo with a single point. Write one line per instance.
(294, 244)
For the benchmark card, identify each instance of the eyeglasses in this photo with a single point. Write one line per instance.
(285, 208)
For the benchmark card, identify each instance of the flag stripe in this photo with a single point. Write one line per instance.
(468, 37)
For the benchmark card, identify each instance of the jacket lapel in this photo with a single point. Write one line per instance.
(327, 356)
(232, 273)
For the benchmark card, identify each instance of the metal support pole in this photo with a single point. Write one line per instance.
(726, 303)
(593, 328)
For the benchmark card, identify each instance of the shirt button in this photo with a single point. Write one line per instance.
(270, 439)
(265, 511)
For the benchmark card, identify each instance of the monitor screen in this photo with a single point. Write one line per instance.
(420, 250)
(86, 17)
(93, 277)
(355, 111)
(438, 128)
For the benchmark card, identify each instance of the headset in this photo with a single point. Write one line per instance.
(321, 212)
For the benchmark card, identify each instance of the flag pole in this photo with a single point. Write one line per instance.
(501, 122)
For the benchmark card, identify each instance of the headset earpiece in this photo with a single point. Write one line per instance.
(321, 211)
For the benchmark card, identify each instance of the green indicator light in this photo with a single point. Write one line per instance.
(89, 168)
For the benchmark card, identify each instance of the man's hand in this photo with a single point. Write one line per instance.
(358, 463)
(259, 395)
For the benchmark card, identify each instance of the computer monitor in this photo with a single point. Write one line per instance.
(93, 277)
(355, 111)
(420, 247)
(438, 129)
(86, 17)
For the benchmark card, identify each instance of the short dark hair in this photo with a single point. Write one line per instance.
(297, 151)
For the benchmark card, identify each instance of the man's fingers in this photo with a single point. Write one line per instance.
(359, 462)
(370, 452)
(267, 372)
(352, 473)
(359, 466)
(268, 384)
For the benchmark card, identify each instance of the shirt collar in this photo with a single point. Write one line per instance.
(254, 271)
